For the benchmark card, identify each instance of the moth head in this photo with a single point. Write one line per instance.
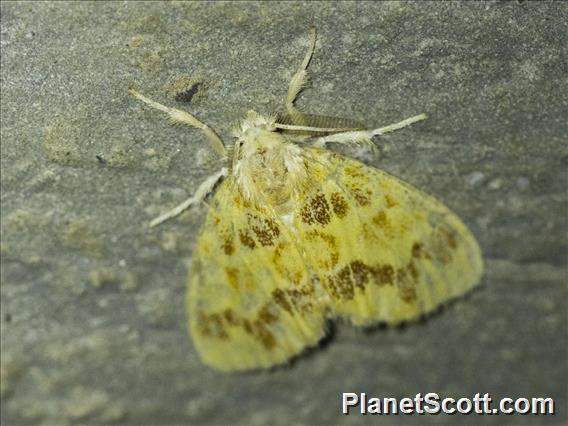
(256, 133)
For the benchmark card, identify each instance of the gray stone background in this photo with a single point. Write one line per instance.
(93, 319)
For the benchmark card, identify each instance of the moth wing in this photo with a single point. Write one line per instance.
(383, 250)
(251, 300)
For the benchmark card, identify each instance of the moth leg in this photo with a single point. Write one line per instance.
(204, 189)
(299, 79)
(360, 136)
(178, 116)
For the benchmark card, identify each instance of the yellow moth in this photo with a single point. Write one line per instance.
(296, 235)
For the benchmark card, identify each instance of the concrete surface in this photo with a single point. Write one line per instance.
(93, 321)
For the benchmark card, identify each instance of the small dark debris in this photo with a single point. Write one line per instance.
(101, 159)
(8, 318)
(186, 95)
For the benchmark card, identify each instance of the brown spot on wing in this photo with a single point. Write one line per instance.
(360, 273)
(301, 298)
(246, 239)
(362, 196)
(417, 250)
(280, 298)
(383, 274)
(357, 274)
(262, 334)
(247, 326)
(406, 282)
(411, 267)
(443, 244)
(390, 201)
(228, 246)
(316, 210)
(267, 314)
(232, 277)
(356, 181)
(387, 227)
(329, 249)
(449, 237)
(295, 299)
(354, 171)
(230, 317)
(212, 326)
(339, 205)
(380, 219)
(265, 229)
(291, 271)
(340, 284)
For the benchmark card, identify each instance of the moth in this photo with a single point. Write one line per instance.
(297, 234)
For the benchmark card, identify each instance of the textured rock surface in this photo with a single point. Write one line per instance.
(93, 323)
